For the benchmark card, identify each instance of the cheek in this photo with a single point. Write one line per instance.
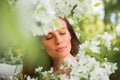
(68, 38)
(49, 47)
(68, 42)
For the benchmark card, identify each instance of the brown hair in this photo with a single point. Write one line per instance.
(74, 40)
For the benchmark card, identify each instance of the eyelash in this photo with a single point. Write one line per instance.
(52, 36)
(49, 38)
(63, 33)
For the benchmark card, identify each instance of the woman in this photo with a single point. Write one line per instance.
(58, 44)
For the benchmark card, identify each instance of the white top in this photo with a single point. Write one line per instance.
(9, 70)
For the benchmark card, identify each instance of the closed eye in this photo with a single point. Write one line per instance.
(62, 31)
(49, 36)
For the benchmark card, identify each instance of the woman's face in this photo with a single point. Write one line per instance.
(58, 42)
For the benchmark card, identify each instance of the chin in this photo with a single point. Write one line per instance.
(63, 55)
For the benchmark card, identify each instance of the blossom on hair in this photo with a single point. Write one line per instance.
(47, 12)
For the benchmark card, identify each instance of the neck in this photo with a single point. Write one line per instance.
(58, 61)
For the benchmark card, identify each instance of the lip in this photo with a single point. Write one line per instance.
(59, 49)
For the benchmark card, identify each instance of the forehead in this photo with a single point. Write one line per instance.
(63, 25)
(63, 28)
(62, 22)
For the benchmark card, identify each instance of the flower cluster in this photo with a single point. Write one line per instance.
(85, 68)
(88, 68)
(101, 39)
(47, 12)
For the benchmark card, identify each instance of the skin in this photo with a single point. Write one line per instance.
(58, 45)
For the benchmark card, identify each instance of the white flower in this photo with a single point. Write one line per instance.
(81, 8)
(89, 66)
(63, 77)
(109, 67)
(36, 31)
(86, 67)
(70, 62)
(38, 69)
(107, 38)
(115, 49)
(29, 78)
(64, 7)
(118, 29)
(94, 46)
(114, 67)
(98, 74)
(47, 10)
(44, 74)
(71, 21)
(84, 45)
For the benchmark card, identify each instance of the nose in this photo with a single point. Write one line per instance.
(58, 39)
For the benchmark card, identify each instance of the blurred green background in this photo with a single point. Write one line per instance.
(16, 40)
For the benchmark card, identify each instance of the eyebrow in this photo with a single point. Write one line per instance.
(58, 30)
(51, 32)
(63, 28)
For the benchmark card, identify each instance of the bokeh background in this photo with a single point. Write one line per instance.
(16, 39)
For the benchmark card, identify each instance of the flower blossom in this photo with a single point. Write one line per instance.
(107, 39)
(94, 46)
